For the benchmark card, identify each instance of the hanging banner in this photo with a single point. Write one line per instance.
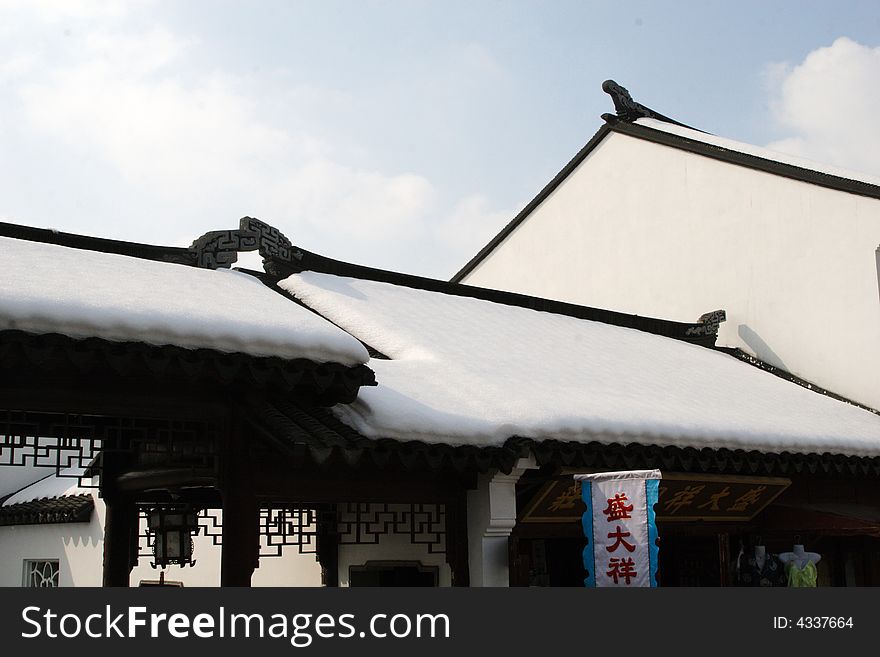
(620, 527)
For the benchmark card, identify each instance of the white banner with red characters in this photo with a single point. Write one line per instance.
(620, 527)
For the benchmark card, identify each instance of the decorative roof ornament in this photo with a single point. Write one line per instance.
(220, 248)
(709, 323)
(629, 110)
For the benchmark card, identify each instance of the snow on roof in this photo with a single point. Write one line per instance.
(51, 485)
(469, 371)
(757, 151)
(54, 289)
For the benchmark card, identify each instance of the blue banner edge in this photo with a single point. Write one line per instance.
(589, 555)
(652, 495)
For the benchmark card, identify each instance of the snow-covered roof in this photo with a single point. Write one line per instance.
(48, 288)
(469, 371)
(757, 151)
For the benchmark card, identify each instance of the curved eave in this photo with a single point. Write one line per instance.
(595, 455)
(315, 436)
(30, 356)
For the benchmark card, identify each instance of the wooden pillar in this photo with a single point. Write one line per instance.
(328, 545)
(120, 520)
(241, 538)
(457, 539)
(240, 554)
(724, 559)
(518, 561)
(120, 540)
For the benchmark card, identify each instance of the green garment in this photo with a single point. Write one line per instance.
(801, 577)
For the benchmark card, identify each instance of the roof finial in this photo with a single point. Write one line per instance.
(626, 108)
(629, 110)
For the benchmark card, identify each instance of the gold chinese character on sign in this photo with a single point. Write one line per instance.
(747, 499)
(567, 498)
(682, 498)
(715, 499)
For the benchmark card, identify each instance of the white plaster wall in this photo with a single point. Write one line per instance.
(78, 547)
(652, 230)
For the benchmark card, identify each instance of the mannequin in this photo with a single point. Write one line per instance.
(800, 565)
(759, 568)
(760, 556)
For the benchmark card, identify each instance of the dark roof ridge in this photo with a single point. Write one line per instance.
(26, 486)
(103, 245)
(702, 332)
(548, 189)
(754, 361)
(783, 169)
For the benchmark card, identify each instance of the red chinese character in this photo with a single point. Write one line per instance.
(623, 569)
(619, 536)
(617, 508)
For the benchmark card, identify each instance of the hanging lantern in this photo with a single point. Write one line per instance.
(172, 528)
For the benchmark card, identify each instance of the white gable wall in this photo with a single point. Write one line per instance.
(653, 230)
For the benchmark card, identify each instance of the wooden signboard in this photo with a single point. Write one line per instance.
(683, 498)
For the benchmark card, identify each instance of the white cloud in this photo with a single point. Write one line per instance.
(16, 67)
(166, 151)
(162, 132)
(471, 224)
(829, 104)
(59, 10)
(360, 205)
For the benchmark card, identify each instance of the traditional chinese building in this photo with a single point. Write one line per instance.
(393, 428)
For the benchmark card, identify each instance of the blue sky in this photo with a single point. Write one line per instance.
(398, 134)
